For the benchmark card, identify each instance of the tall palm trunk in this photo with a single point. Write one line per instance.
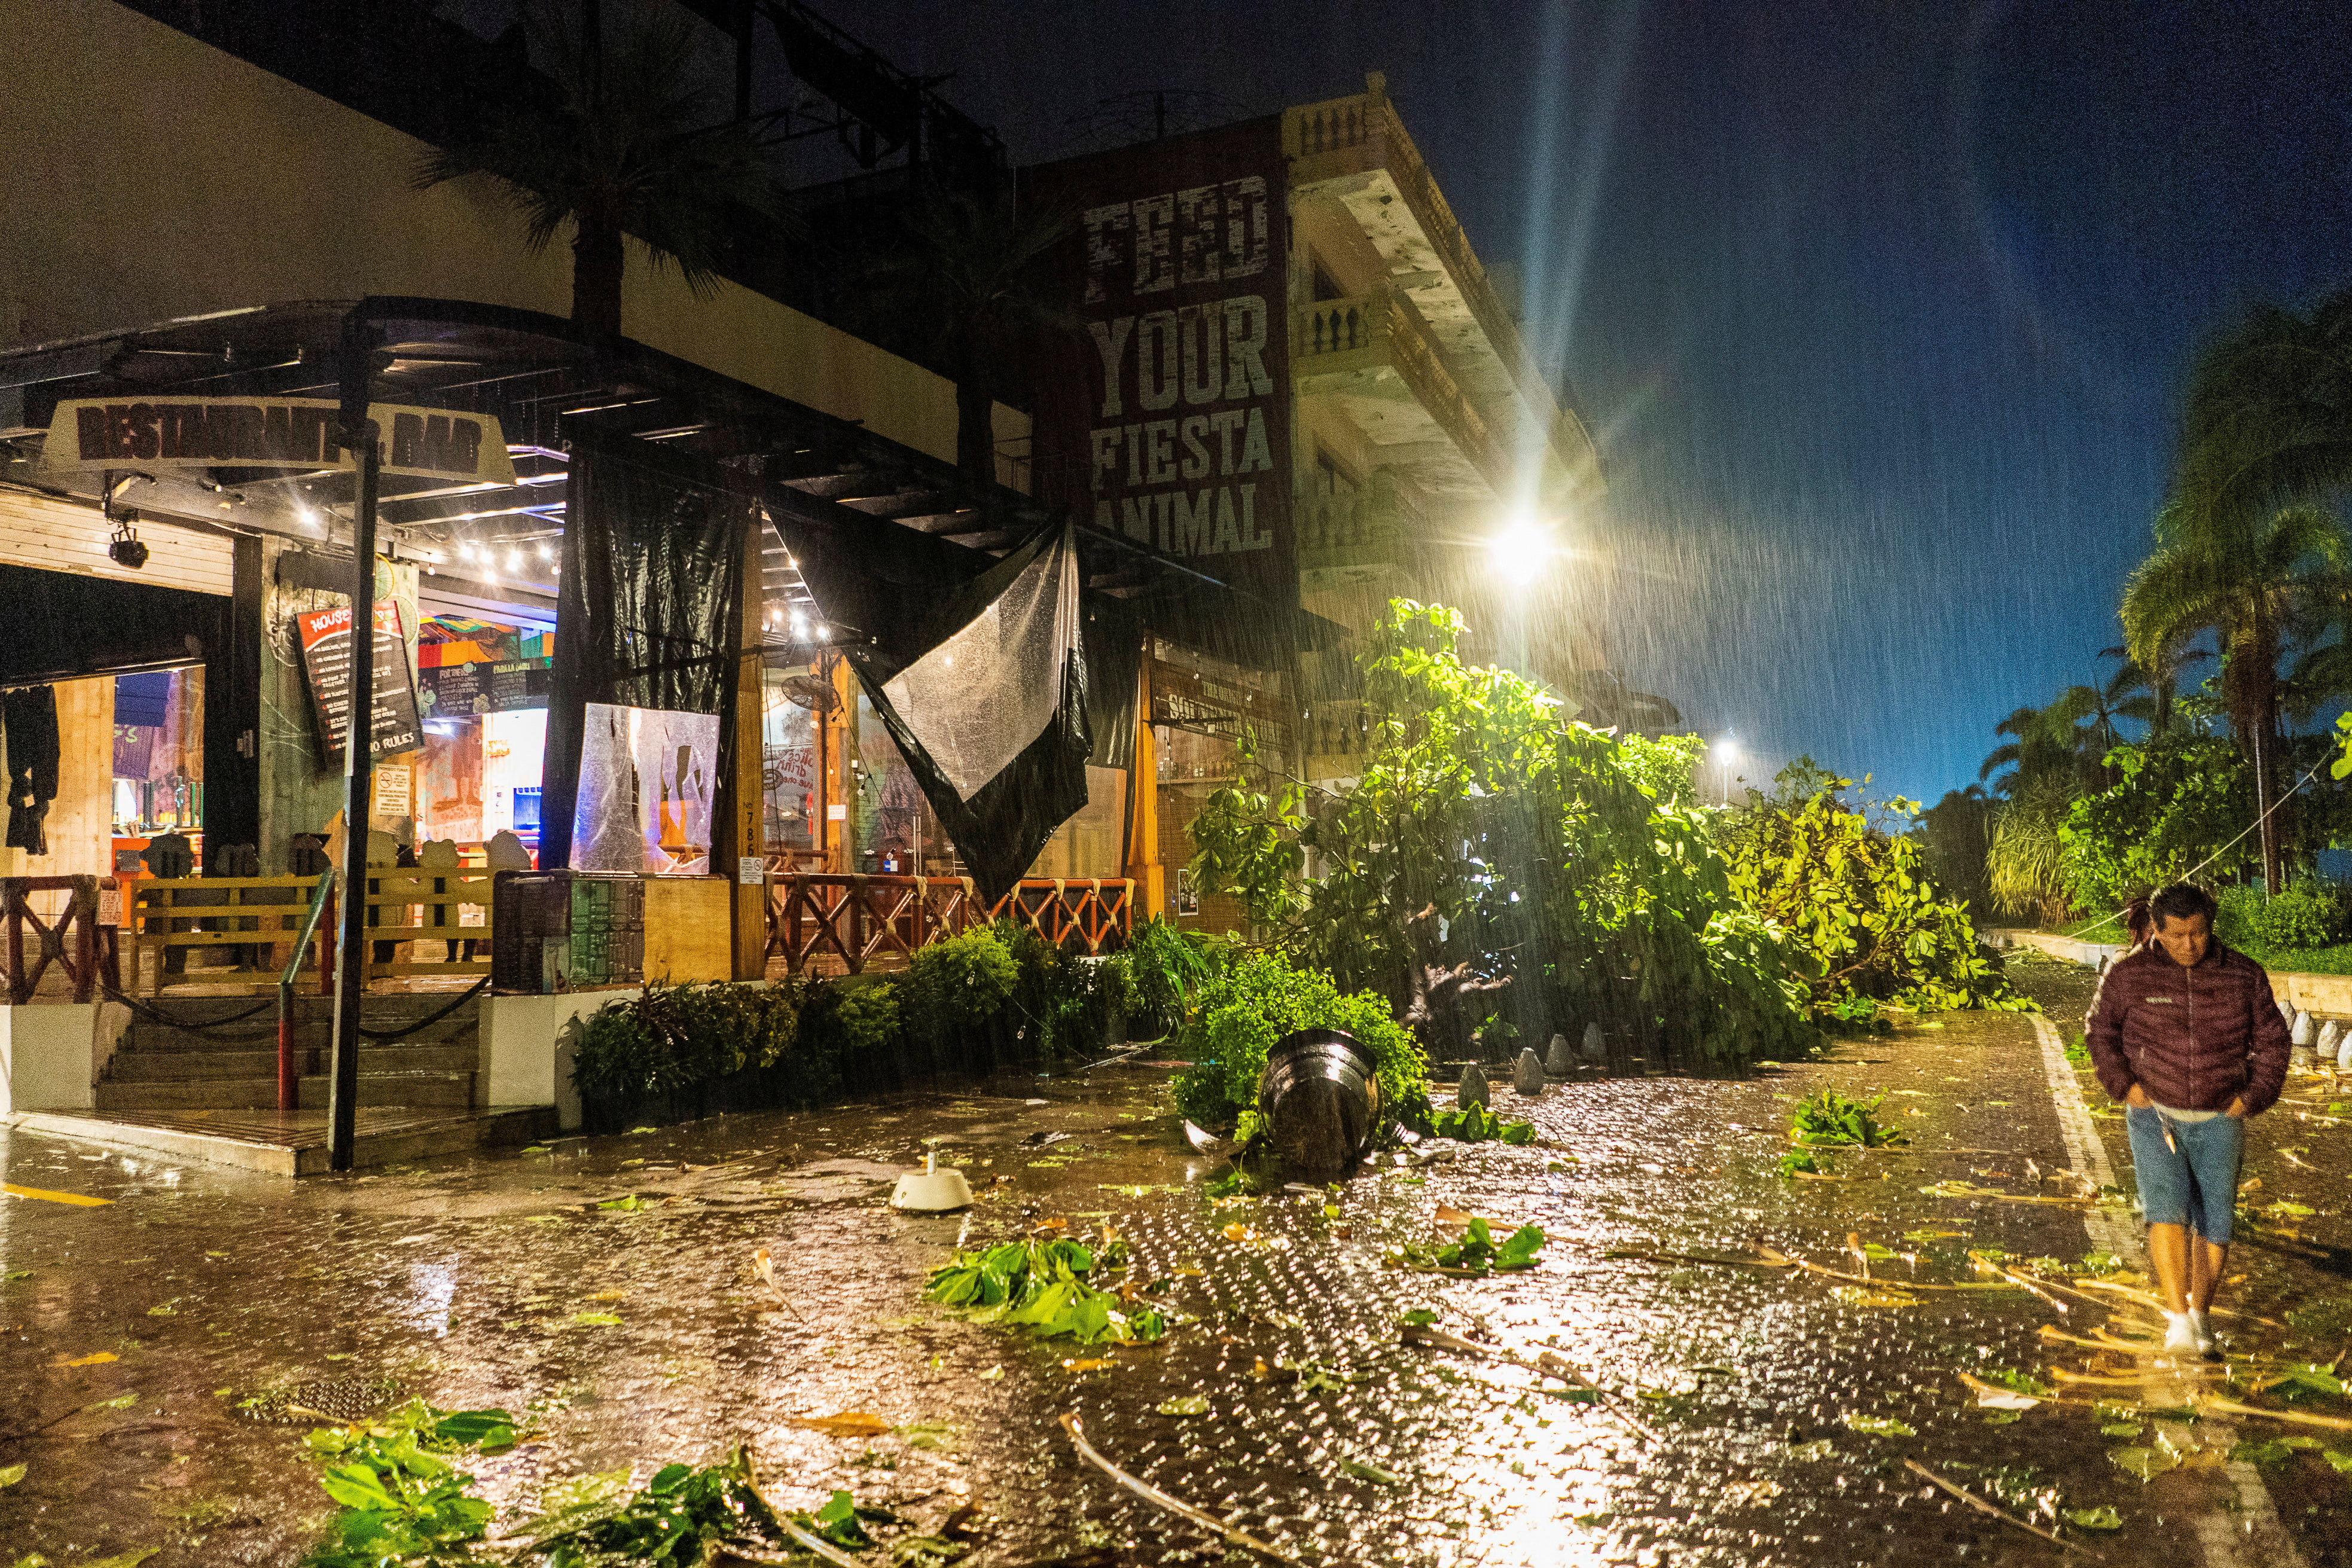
(2253, 708)
(975, 414)
(597, 274)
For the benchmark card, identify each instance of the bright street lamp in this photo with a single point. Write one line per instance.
(1727, 755)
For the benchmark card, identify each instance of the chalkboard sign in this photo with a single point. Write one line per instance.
(502, 686)
(392, 723)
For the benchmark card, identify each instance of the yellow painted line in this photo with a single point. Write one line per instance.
(87, 1203)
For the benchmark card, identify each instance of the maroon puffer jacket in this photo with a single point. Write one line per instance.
(2195, 1039)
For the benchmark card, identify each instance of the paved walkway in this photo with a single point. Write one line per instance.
(1761, 1414)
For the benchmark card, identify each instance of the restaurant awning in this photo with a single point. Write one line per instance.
(551, 386)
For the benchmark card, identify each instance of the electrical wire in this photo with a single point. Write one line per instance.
(2227, 848)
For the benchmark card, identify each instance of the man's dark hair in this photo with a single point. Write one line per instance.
(2180, 900)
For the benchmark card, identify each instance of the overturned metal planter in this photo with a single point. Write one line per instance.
(1320, 1100)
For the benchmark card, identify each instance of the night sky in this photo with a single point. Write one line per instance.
(1881, 308)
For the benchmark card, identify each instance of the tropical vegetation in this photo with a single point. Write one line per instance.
(614, 143)
(2249, 575)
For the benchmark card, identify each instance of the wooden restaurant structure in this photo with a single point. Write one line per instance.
(785, 834)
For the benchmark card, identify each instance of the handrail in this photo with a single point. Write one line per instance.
(317, 907)
(286, 1078)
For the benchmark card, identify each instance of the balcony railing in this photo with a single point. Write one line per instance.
(1364, 131)
(1385, 329)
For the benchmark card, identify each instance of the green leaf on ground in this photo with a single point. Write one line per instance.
(2120, 1429)
(10, 1476)
(119, 1401)
(1417, 1317)
(1819, 1448)
(2094, 1519)
(1047, 1287)
(1185, 1404)
(628, 1203)
(596, 1320)
(2003, 1417)
(1364, 1472)
(2341, 1461)
(1880, 1425)
(2146, 1463)
(2017, 1382)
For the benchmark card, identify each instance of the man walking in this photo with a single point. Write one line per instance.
(2184, 1031)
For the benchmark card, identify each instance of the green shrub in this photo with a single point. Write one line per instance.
(867, 1019)
(1167, 966)
(958, 986)
(671, 1039)
(1242, 1012)
(2306, 915)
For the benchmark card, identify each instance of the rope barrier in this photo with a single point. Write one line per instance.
(475, 989)
(136, 1005)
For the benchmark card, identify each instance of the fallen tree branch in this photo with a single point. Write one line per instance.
(1158, 1498)
(2231, 1407)
(1981, 1506)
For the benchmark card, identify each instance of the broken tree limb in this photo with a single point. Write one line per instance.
(1981, 1506)
(2297, 1417)
(1158, 1498)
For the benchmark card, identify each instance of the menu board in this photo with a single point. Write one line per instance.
(393, 724)
(499, 686)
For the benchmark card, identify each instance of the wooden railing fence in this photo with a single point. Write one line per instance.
(75, 939)
(856, 921)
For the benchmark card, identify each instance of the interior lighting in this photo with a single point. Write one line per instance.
(514, 560)
(545, 553)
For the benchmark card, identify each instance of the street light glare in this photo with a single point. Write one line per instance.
(1522, 542)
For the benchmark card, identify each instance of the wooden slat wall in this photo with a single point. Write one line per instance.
(65, 536)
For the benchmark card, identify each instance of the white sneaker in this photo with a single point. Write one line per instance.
(2202, 1325)
(2180, 1335)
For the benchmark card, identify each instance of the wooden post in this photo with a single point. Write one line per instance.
(842, 778)
(743, 851)
(1143, 866)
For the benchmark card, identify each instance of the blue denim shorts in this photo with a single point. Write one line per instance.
(2196, 1184)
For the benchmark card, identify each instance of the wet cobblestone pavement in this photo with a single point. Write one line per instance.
(1763, 1413)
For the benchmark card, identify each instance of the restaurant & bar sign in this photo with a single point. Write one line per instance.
(271, 433)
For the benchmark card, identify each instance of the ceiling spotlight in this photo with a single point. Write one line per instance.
(514, 560)
(545, 553)
(126, 550)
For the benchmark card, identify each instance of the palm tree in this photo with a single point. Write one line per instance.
(615, 142)
(2047, 743)
(971, 284)
(2269, 420)
(2249, 585)
(2160, 680)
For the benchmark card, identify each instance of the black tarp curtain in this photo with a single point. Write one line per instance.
(890, 604)
(649, 611)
